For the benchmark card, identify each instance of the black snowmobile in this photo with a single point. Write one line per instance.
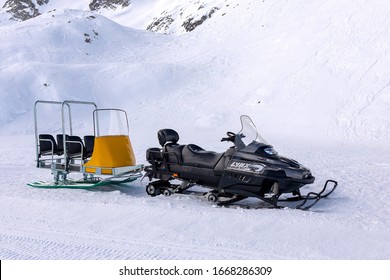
(249, 169)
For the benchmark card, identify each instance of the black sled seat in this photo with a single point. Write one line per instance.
(60, 141)
(48, 145)
(75, 146)
(89, 141)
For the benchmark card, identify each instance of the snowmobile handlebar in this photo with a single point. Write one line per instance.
(231, 137)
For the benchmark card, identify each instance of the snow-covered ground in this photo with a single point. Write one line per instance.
(127, 224)
(313, 76)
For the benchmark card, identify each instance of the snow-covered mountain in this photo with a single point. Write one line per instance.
(20, 10)
(163, 16)
(319, 69)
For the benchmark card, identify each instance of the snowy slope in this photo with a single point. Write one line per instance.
(314, 77)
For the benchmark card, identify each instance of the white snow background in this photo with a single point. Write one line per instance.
(313, 75)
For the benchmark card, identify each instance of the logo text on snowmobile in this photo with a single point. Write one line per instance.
(246, 167)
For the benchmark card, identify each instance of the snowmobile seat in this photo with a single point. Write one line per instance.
(89, 142)
(48, 145)
(194, 155)
(174, 153)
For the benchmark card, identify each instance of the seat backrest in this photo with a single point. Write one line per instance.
(60, 141)
(75, 147)
(47, 144)
(89, 141)
(167, 136)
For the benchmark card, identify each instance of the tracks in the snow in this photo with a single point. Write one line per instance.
(22, 243)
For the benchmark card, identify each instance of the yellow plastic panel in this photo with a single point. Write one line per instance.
(110, 152)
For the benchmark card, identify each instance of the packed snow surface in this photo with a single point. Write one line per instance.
(313, 76)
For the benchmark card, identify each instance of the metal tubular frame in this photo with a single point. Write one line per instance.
(67, 103)
(36, 121)
(64, 104)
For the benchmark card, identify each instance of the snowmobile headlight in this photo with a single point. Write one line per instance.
(307, 175)
(270, 151)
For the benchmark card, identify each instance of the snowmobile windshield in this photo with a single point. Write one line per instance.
(248, 136)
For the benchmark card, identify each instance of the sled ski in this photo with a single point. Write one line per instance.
(90, 183)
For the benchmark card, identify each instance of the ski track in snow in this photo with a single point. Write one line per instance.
(40, 244)
(127, 224)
